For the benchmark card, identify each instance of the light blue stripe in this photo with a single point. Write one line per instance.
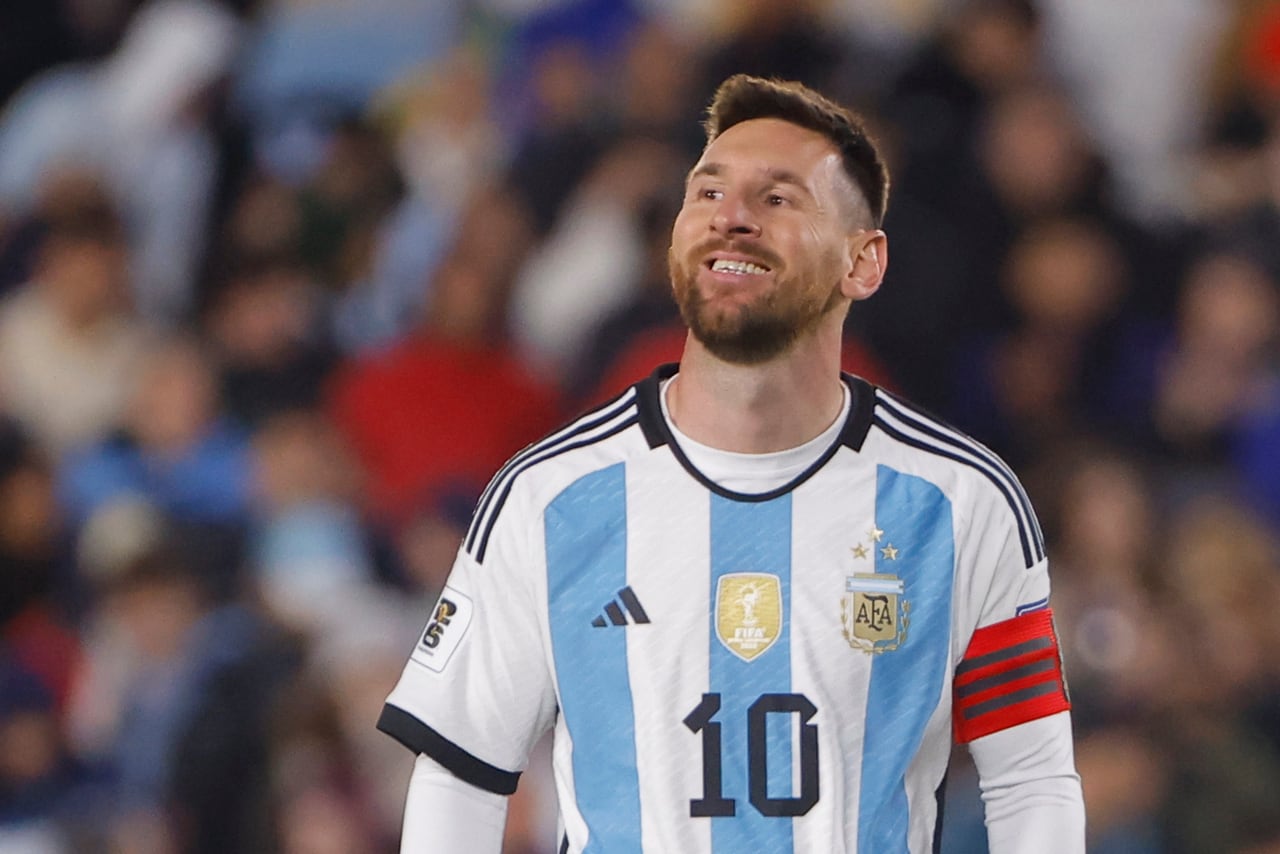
(907, 682)
(867, 585)
(752, 537)
(1037, 605)
(586, 534)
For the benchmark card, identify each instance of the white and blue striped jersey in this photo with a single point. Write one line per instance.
(727, 672)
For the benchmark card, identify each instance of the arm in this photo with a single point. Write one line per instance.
(476, 693)
(1011, 708)
(444, 814)
(1011, 705)
(1030, 788)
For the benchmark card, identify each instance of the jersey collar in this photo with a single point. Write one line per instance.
(658, 434)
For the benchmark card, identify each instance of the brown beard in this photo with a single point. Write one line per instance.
(753, 333)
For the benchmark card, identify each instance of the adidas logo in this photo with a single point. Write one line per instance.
(615, 614)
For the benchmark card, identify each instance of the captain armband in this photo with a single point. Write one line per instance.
(1011, 674)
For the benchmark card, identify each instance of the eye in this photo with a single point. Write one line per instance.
(776, 200)
(710, 193)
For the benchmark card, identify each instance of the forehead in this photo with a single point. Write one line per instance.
(767, 146)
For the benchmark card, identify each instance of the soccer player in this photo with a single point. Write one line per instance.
(757, 600)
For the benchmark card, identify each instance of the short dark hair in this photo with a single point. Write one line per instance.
(743, 97)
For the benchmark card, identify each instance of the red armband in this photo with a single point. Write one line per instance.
(1011, 674)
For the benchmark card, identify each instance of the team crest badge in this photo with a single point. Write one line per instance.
(748, 612)
(874, 612)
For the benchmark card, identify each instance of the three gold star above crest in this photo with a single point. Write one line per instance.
(889, 552)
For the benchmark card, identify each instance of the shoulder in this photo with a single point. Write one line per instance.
(902, 428)
(907, 437)
(604, 436)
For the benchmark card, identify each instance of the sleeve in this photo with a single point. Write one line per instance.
(442, 813)
(477, 693)
(1010, 668)
(1030, 789)
(1010, 701)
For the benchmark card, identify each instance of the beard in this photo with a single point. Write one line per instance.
(753, 332)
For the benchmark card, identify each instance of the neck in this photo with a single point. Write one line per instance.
(757, 409)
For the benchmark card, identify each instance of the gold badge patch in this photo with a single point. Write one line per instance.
(748, 612)
(874, 612)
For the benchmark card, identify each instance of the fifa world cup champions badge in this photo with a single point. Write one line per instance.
(748, 612)
(874, 613)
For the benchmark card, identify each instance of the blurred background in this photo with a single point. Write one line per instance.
(282, 282)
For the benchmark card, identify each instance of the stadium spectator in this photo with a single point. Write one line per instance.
(69, 344)
(268, 336)
(176, 697)
(1033, 387)
(38, 598)
(177, 449)
(142, 118)
(591, 263)
(42, 783)
(419, 414)
(308, 550)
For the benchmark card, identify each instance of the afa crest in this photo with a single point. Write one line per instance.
(874, 612)
(748, 612)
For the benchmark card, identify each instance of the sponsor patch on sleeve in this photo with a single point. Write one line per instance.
(445, 630)
(1011, 674)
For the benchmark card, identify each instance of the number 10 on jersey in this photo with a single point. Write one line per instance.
(713, 802)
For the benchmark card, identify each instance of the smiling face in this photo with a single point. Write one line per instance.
(766, 242)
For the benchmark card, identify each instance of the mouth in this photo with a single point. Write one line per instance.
(736, 267)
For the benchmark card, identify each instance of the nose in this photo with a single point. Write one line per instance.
(734, 216)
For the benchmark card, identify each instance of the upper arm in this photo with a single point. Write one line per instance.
(1009, 669)
(477, 692)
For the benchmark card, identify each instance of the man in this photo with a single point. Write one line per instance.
(69, 344)
(756, 599)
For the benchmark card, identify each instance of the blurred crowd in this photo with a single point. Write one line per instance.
(283, 282)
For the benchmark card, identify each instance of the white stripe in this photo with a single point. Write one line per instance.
(667, 567)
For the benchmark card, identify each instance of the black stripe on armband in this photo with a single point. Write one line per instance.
(420, 738)
(1002, 655)
(995, 680)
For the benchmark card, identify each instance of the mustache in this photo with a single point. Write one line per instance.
(750, 249)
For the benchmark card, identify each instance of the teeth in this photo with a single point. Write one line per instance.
(741, 268)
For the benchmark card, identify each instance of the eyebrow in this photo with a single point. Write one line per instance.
(774, 174)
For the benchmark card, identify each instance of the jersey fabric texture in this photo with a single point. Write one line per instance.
(728, 672)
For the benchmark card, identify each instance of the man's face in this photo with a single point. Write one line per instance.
(85, 278)
(761, 243)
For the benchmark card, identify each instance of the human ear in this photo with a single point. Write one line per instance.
(869, 254)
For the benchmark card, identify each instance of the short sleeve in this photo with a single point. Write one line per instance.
(476, 693)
